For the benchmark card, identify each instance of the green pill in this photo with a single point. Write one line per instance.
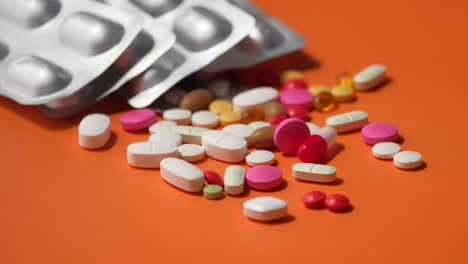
(212, 192)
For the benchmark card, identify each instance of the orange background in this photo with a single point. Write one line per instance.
(62, 204)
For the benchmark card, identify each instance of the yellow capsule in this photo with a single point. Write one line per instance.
(251, 115)
(219, 106)
(324, 102)
(291, 74)
(343, 93)
(344, 79)
(316, 89)
(229, 118)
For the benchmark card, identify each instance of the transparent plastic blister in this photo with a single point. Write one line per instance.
(49, 49)
(204, 30)
(269, 38)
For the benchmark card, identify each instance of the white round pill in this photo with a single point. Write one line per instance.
(164, 125)
(258, 124)
(385, 150)
(178, 115)
(205, 118)
(241, 130)
(191, 152)
(166, 136)
(94, 131)
(260, 157)
(407, 159)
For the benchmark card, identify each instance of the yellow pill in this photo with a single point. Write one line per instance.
(291, 74)
(316, 89)
(344, 79)
(343, 93)
(324, 102)
(219, 106)
(229, 118)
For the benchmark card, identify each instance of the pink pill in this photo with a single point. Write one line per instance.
(377, 132)
(295, 84)
(299, 97)
(264, 177)
(212, 177)
(138, 119)
(290, 134)
(298, 112)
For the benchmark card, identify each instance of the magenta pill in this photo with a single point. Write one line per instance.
(377, 132)
(138, 119)
(295, 84)
(264, 177)
(298, 97)
(314, 199)
(337, 202)
(290, 134)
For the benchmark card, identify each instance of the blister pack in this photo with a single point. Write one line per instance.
(150, 43)
(49, 49)
(204, 30)
(269, 38)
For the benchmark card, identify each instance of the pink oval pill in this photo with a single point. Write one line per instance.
(377, 132)
(264, 177)
(138, 119)
(299, 97)
(290, 134)
(295, 84)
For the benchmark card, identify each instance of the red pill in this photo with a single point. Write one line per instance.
(212, 177)
(295, 84)
(276, 119)
(314, 199)
(297, 111)
(337, 202)
(269, 78)
(312, 149)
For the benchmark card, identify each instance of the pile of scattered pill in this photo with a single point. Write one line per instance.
(264, 118)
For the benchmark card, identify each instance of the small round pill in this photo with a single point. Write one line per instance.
(316, 89)
(298, 112)
(377, 132)
(212, 177)
(295, 84)
(219, 106)
(385, 150)
(407, 160)
(165, 136)
(178, 115)
(163, 125)
(337, 202)
(228, 118)
(291, 74)
(138, 119)
(260, 157)
(324, 102)
(314, 199)
(343, 93)
(264, 177)
(213, 192)
(205, 118)
(191, 152)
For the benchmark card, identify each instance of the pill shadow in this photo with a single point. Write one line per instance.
(318, 207)
(345, 211)
(287, 219)
(337, 181)
(243, 194)
(110, 143)
(198, 194)
(332, 153)
(283, 186)
(400, 140)
(423, 166)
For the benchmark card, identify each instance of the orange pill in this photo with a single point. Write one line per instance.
(324, 102)
(251, 115)
(344, 79)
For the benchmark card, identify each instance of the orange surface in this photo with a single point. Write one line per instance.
(62, 204)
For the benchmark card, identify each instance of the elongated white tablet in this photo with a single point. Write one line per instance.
(234, 177)
(260, 157)
(259, 124)
(370, 77)
(178, 115)
(265, 208)
(166, 136)
(182, 174)
(254, 98)
(191, 152)
(314, 129)
(149, 154)
(205, 118)
(94, 131)
(241, 130)
(163, 125)
(385, 150)
(407, 160)
(314, 172)
(348, 121)
(190, 134)
(224, 146)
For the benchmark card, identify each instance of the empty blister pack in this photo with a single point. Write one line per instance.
(150, 43)
(269, 38)
(54, 47)
(204, 30)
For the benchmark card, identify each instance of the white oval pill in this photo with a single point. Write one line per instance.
(260, 157)
(149, 154)
(205, 118)
(265, 208)
(178, 115)
(182, 174)
(94, 131)
(191, 152)
(258, 124)
(385, 150)
(234, 176)
(314, 129)
(370, 77)
(166, 136)
(348, 121)
(164, 125)
(314, 172)
(254, 98)
(190, 134)
(407, 160)
(241, 130)
(224, 146)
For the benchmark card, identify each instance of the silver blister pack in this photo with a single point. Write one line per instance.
(49, 49)
(150, 43)
(269, 38)
(204, 30)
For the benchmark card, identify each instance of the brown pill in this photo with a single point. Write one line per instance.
(250, 115)
(196, 100)
(272, 109)
(263, 137)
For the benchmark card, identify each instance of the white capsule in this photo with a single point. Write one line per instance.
(314, 129)
(94, 131)
(182, 174)
(314, 172)
(190, 134)
(265, 208)
(348, 121)
(370, 77)
(234, 176)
